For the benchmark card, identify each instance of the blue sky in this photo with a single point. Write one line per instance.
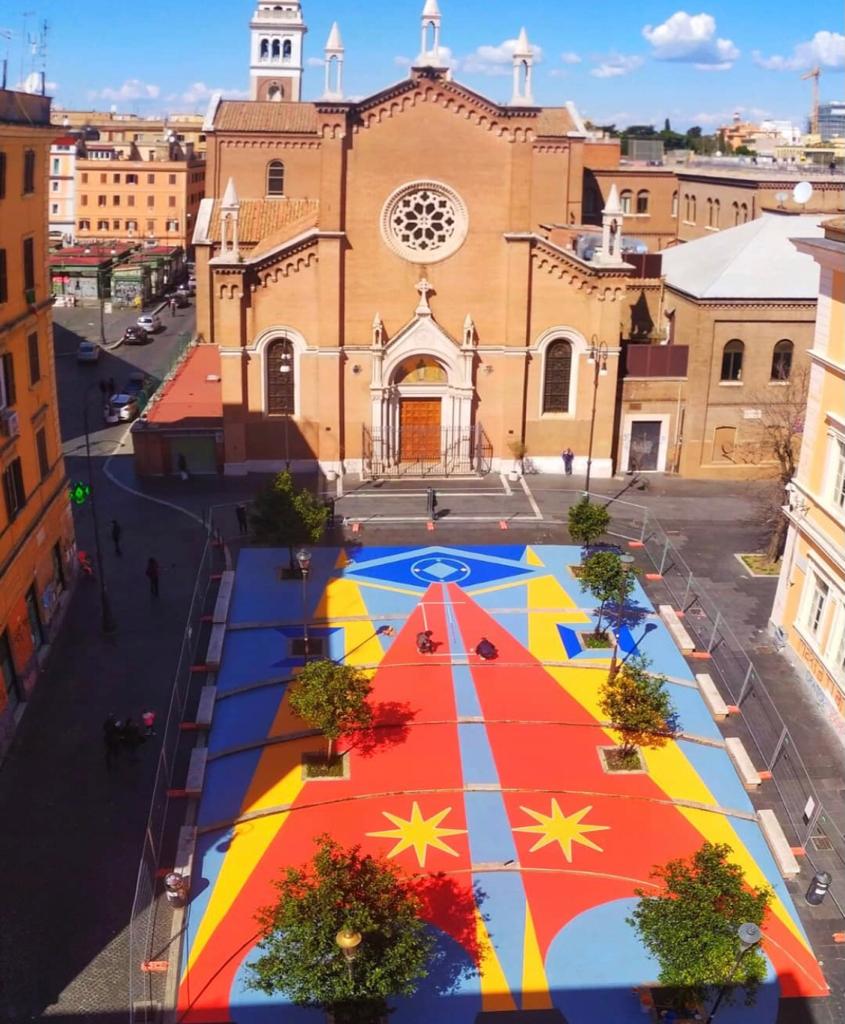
(618, 61)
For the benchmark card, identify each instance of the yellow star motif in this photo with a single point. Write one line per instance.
(419, 832)
(557, 827)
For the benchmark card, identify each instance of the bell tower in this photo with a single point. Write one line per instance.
(277, 33)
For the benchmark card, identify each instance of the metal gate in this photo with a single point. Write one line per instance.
(429, 451)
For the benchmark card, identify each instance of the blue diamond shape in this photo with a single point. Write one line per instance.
(420, 568)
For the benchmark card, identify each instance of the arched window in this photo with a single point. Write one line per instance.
(717, 210)
(692, 209)
(287, 50)
(276, 49)
(736, 213)
(782, 359)
(709, 213)
(674, 204)
(280, 370)
(265, 49)
(732, 355)
(557, 376)
(744, 211)
(274, 93)
(625, 200)
(642, 201)
(275, 178)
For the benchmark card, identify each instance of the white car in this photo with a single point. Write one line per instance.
(121, 409)
(88, 352)
(149, 322)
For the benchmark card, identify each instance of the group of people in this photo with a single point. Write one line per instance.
(484, 648)
(121, 735)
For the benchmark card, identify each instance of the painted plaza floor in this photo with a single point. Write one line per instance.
(485, 775)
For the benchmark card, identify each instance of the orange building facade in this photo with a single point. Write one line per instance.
(36, 527)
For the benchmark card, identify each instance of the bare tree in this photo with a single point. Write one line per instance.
(776, 444)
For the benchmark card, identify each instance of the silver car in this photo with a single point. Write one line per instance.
(121, 408)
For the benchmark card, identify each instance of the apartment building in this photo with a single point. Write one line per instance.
(62, 188)
(125, 129)
(36, 527)
(134, 193)
(809, 607)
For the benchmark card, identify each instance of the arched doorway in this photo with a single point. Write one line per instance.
(420, 386)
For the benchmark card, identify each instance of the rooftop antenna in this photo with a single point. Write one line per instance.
(5, 33)
(38, 50)
(802, 193)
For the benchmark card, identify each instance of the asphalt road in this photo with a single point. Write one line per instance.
(77, 383)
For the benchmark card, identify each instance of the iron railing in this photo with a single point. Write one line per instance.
(426, 451)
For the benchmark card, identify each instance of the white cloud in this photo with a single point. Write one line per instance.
(402, 62)
(827, 49)
(132, 89)
(690, 38)
(616, 65)
(198, 94)
(570, 58)
(315, 62)
(495, 60)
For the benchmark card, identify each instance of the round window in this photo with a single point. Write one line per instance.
(424, 222)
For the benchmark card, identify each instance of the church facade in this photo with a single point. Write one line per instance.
(391, 282)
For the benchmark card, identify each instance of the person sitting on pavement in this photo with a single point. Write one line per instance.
(485, 649)
(424, 644)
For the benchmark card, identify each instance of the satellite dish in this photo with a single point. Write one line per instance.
(802, 192)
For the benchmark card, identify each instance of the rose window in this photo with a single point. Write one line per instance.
(424, 222)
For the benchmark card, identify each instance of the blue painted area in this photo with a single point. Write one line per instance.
(693, 716)
(504, 909)
(659, 648)
(717, 771)
(380, 602)
(516, 623)
(596, 960)
(260, 596)
(245, 718)
(490, 835)
(249, 1006)
(441, 565)
(476, 755)
(226, 785)
(250, 655)
(451, 993)
(466, 698)
(569, 639)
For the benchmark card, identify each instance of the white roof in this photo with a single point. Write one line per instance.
(756, 260)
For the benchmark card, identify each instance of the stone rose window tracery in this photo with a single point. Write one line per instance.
(424, 222)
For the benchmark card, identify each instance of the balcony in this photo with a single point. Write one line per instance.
(654, 361)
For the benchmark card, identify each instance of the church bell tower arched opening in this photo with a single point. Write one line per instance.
(277, 34)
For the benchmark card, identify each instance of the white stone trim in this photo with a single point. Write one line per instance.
(580, 348)
(644, 417)
(259, 347)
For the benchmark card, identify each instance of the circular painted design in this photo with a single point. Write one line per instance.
(440, 569)
(424, 221)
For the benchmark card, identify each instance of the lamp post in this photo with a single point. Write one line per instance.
(303, 557)
(597, 357)
(107, 619)
(349, 942)
(749, 936)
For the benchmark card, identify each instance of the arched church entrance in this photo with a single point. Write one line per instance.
(421, 385)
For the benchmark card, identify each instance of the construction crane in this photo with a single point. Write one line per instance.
(814, 73)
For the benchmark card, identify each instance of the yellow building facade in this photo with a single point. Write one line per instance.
(809, 607)
(36, 527)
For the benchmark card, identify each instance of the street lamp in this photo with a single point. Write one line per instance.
(303, 557)
(749, 936)
(349, 943)
(597, 357)
(108, 623)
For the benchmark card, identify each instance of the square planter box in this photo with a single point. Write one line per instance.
(603, 755)
(309, 759)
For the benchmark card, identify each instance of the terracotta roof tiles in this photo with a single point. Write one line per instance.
(274, 118)
(269, 221)
(554, 121)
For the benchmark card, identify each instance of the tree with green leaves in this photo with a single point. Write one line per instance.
(691, 925)
(607, 579)
(587, 522)
(637, 705)
(342, 890)
(332, 698)
(285, 516)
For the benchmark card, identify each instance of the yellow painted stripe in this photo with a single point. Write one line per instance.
(535, 984)
(495, 994)
(532, 558)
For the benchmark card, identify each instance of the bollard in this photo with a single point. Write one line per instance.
(818, 887)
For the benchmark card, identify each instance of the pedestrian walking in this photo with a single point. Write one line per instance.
(431, 503)
(152, 575)
(115, 536)
(568, 456)
(182, 466)
(243, 524)
(111, 739)
(173, 307)
(104, 388)
(148, 719)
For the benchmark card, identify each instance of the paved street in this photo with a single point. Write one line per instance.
(72, 846)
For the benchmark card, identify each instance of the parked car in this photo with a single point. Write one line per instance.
(149, 322)
(87, 352)
(180, 296)
(135, 383)
(121, 408)
(134, 336)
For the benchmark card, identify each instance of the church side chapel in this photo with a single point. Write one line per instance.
(392, 283)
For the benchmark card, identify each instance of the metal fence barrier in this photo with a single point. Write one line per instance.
(150, 922)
